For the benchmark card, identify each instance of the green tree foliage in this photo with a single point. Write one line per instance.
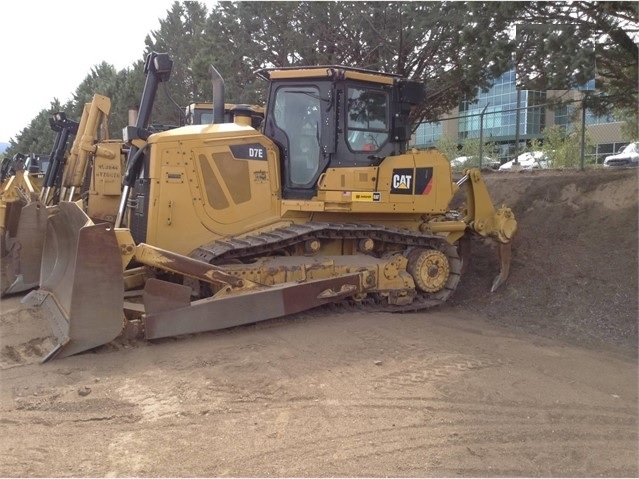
(563, 145)
(104, 80)
(130, 82)
(447, 146)
(181, 35)
(470, 148)
(456, 48)
(630, 123)
(611, 29)
(242, 37)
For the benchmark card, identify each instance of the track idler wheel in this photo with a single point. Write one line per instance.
(429, 268)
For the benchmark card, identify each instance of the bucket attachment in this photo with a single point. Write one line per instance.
(81, 282)
(25, 248)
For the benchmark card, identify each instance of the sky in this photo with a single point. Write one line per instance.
(47, 48)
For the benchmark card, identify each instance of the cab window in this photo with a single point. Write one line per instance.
(367, 119)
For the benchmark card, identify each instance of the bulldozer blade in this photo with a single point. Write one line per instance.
(237, 309)
(11, 221)
(505, 254)
(82, 285)
(25, 249)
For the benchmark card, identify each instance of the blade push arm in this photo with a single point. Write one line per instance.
(483, 219)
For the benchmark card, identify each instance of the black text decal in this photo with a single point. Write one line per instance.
(252, 151)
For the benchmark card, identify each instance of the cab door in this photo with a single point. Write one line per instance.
(295, 125)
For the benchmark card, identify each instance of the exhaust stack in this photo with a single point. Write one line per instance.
(218, 95)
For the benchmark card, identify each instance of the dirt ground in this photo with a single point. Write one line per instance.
(537, 379)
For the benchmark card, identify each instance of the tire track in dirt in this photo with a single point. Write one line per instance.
(343, 395)
(25, 335)
(435, 429)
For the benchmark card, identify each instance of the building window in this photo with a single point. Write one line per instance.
(563, 116)
(500, 116)
(592, 119)
(428, 133)
(567, 115)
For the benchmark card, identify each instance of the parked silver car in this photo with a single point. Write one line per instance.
(628, 156)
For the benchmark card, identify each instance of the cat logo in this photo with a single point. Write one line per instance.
(402, 181)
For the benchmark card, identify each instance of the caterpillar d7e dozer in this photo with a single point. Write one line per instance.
(62, 181)
(21, 183)
(91, 173)
(227, 225)
(25, 187)
(10, 166)
(21, 186)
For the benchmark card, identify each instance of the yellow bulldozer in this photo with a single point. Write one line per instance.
(20, 184)
(64, 180)
(222, 224)
(20, 192)
(90, 172)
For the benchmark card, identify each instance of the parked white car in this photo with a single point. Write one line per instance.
(528, 161)
(467, 161)
(459, 162)
(628, 156)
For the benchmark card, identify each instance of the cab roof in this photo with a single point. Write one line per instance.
(337, 72)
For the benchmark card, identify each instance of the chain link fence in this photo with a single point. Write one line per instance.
(565, 135)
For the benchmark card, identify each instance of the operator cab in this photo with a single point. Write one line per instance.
(335, 116)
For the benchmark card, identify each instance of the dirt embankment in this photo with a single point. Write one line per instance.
(574, 268)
